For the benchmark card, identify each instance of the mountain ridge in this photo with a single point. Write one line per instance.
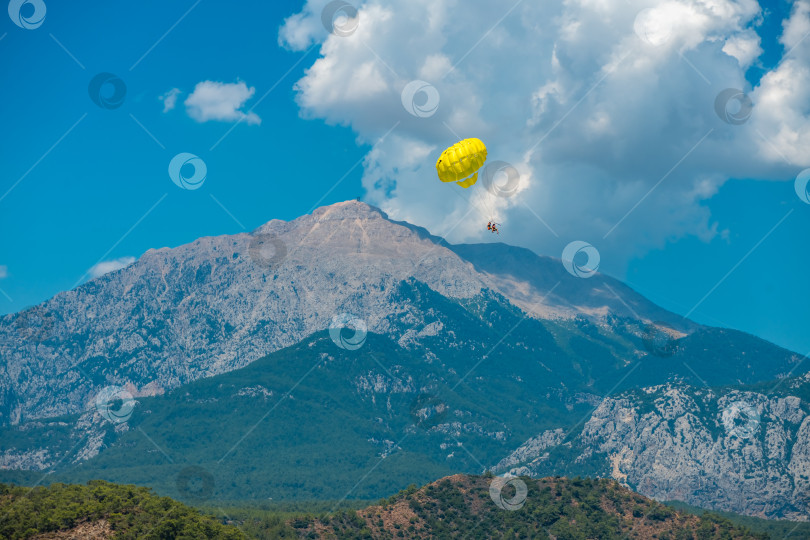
(395, 415)
(358, 333)
(218, 303)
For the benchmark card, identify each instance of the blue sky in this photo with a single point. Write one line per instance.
(81, 184)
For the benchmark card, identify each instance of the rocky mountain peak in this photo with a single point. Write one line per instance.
(349, 209)
(219, 303)
(340, 211)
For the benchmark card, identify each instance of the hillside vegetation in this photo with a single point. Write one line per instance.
(463, 506)
(460, 506)
(102, 510)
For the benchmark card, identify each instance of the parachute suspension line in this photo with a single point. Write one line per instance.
(490, 212)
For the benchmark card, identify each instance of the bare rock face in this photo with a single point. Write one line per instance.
(531, 452)
(219, 303)
(744, 452)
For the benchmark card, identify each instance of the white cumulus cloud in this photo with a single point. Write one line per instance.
(105, 267)
(169, 99)
(213, 100)
(612, 127)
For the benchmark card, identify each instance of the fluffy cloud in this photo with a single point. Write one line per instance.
(105, 267)
(169, 99)
(607, 110)
(212, 100)
(3, 271)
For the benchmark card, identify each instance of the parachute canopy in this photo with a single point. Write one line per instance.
(460, 162)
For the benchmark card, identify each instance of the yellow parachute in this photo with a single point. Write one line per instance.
(460, 162)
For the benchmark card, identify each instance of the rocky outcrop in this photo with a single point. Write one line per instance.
(530, 452)
(740, 451)
(89, 530)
